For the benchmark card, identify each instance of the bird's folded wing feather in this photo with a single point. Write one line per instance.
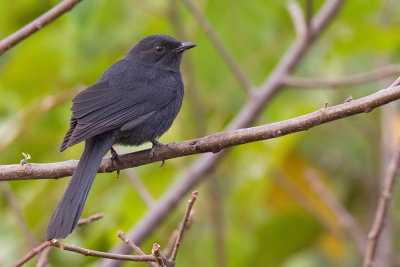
(101, 108)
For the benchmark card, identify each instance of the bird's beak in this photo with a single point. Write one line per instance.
(185, 46)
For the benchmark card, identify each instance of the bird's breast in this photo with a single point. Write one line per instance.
(156, 125)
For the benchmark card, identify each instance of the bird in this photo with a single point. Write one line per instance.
(134, 101)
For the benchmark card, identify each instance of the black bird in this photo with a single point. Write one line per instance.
(134, 101)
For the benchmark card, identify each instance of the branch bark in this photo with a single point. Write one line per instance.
(211, 143)
(37, 24)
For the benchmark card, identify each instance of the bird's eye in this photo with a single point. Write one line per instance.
(159, 48)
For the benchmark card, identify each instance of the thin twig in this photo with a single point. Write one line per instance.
(183, 225)
(355, 79)
(32, 254)
(211, 143)
(6, 189)
(156, 252)
(348, 222)
(173, 237)
(382, 209)
(94, 253)
(134, 248)
(140, 188)
(383, 205)
(388, 136)
(297, 16)
(46, 244)
(230, 61)
(36, 24)
(90, 219)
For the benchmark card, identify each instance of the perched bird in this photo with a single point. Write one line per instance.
(134, 101)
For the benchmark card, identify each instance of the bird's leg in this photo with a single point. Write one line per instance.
(114, 158)
(156, 144)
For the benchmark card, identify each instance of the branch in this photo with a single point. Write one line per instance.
(156, 252)
(273, 83)
(90, 219)
(382, 209)
(37, 24)
(384, 72)
(94, 253)
(297, 16)
(183, 226)
(32, 254)
(134, 248)
(211, 143)
(47, 244)
(156, 257)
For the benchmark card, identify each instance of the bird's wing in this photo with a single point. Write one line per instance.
(101, 108)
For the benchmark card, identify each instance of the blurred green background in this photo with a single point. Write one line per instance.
(257, 209)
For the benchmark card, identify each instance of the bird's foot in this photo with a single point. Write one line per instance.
(114, 159)
(156, 144)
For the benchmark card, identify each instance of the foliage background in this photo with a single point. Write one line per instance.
(269, 215)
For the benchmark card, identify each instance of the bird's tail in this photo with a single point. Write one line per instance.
(69, 210)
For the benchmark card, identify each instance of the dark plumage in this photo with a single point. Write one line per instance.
(134, 101)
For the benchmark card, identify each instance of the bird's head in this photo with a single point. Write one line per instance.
(160, 50)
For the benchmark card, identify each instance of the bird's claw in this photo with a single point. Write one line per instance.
(156, 144)
(115, 159)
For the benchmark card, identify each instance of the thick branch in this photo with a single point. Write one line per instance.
(37, 24)
(211, 143)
